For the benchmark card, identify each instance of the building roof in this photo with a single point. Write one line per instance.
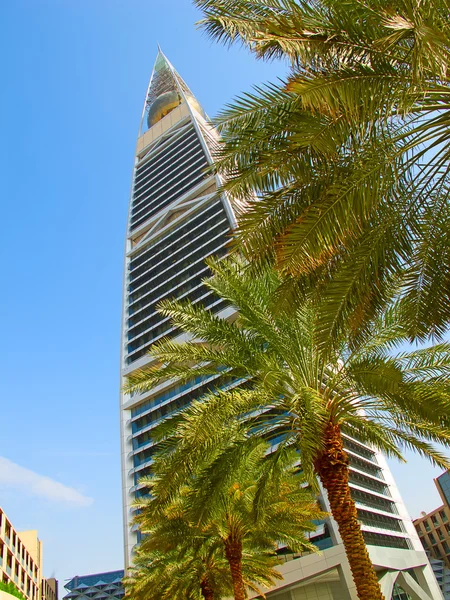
(94, 580)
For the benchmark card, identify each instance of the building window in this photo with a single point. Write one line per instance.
(444, 483)
(431, 538)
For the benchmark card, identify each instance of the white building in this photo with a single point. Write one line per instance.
(176, 219)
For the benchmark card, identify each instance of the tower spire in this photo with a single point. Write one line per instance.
(166, 91)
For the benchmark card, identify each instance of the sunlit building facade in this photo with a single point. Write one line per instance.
(176, 219)
(21, 561)
(434, 527)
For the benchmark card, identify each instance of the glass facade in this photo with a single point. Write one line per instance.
(166, 175)
(177, 219)
(443, 482)
(101, 586)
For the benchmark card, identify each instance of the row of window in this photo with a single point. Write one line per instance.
(167, 272)
(169, 259)
(192, 391)
(178, 140)
(11, 539)
(15, 573)
(156, 196)
(365, 466)
(439, 550)
(9, 558)
(156, 169)
(192, 286)
(150, 316)
(183, 244)
(172, 393)
(388, 541)
(166, 329)
(152, 325)
(430, 539)
(181, 182)
(381, 521)
(160, 183)
(359, 449)
(177, 287)
(158, 324)
(368, 483)
(437, 519)
(176, 238)
(373, 501)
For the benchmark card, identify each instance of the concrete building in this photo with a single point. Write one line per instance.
(49, 589)
(434, 527)
(20, 559)
(98, 586)
(176, 219)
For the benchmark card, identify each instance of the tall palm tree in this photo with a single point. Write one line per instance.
(386, 399)
(349, 156)
(235, 510)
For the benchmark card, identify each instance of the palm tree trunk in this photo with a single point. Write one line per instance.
(207, 591)
(332, 469)
(233, 553)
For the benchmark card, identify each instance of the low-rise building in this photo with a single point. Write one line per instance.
(98, 586)
(49, 589)
(21, 560)
(434, 527)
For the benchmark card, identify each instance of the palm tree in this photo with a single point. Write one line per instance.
(163, 576)
(343, 168)
(385, 399)
(184, 566)
(235, 510)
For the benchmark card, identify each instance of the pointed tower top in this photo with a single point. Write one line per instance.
(166, 91)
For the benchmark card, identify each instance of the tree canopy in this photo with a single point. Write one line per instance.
(342, 168)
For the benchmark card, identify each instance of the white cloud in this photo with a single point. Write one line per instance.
(15, 476)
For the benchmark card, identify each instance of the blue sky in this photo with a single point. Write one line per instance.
(74, 76)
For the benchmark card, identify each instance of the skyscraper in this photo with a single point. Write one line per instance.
(177, 219)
